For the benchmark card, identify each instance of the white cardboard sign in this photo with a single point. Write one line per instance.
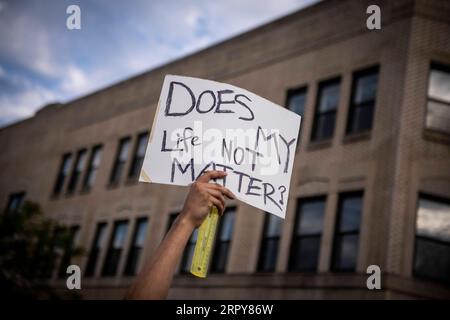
(204, 125)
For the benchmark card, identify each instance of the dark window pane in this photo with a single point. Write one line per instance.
(310, 219)
(329, 97)
(305, 255)
(324, 126)
(94, 163)
(268, 255)
(132, 261)
(432, 257)
(97, 245)
(273, 225)
(77, 170)
(115, 248)
(350, 217)
(62, 173)
(220, 257)
(438, 106)
(439, 83)
(139, 155)
(269, 245)
(362, 118)
(136, 246)
(227, 223)
(345, 250)
(15, 202)
(365, 87)
(121, 159)
(297, 101)
(325, 113)
(362, 104)
(66, 259)
(223, 240)
(345, 247)
(308, 228)
(438, 116)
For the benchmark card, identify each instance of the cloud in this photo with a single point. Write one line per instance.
(41, 61)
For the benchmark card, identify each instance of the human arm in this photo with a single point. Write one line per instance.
(154, 281)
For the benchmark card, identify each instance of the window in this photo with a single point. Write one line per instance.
(46, 251)
(432, 252)
(308, 229)
(345, 246)
(94, 163)
(73, 234)
(188, 253)
(325, 114)
(223, 241)
(62, 173)
(362, 103)
(116, 244)
(438, 105)
(121, 159)
(97, 245)
(15, 202)
(77, 170)
(139, 154)
(296, 100)
(136, 246)
(268, 253)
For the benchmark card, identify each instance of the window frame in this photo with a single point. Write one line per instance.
(107, 270)
(445, 67)
(11, 196)
(295, 237)
(263, 245)
(113, 180)
(57, 191)
(129, 269)
(349, 131)
(66, 258)
(135, 158)
(429, 197)
(291, 93)
(218, 243)
(327, 82)
(340, 234)
(75, 175)
(90, 169)
(91, 271)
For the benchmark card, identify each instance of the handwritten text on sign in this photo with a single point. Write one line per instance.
(206, 125)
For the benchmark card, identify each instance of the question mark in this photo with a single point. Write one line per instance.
(282, 192)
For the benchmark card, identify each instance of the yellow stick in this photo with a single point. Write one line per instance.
(205, 244)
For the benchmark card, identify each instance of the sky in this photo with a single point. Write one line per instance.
(42, 61)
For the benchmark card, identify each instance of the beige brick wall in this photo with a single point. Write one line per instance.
(391, 164)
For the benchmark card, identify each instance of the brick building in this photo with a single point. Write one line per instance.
(371, 181)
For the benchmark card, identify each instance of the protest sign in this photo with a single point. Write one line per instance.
(204, 125)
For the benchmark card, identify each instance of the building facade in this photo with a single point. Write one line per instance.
(371, 179)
